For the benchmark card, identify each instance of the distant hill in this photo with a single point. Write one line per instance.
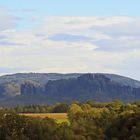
(40, 88)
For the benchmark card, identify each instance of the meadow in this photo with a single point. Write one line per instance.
(58, 117)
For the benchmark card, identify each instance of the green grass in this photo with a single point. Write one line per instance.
(58, 117)
(59, 121)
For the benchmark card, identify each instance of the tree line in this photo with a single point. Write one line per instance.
(58, 108)
(88, 121)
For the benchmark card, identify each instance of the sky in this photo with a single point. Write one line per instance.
(98, 36)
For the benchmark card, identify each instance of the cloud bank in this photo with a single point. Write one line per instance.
(71, 44)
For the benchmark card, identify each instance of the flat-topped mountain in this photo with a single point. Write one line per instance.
(38, 88)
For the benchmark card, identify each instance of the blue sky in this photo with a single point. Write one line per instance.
(70, 36)
(77, 7)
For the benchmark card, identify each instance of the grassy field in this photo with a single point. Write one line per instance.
(59, 117)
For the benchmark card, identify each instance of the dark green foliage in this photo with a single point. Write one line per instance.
(88, 121)
(58, 108)
(112, 121)
(33, 109)
(16, 127)
(125, 127)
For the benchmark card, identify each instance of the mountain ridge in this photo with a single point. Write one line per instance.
(38, 88)
(56, 76)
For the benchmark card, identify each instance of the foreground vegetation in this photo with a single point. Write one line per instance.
(58, 117)
(88, 121)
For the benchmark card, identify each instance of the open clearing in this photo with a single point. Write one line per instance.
(59, 117)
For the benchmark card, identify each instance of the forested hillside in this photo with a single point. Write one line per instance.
(26, 89)
(87, 121)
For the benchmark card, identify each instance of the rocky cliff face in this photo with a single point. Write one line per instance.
(88, 86)
(82, 87)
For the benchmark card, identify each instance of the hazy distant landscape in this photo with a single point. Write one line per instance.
(51, 88)
(69, 70)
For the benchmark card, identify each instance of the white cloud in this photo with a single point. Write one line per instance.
(7, 21)
(80, 48)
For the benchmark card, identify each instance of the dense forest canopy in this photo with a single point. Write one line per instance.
(87, 121)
